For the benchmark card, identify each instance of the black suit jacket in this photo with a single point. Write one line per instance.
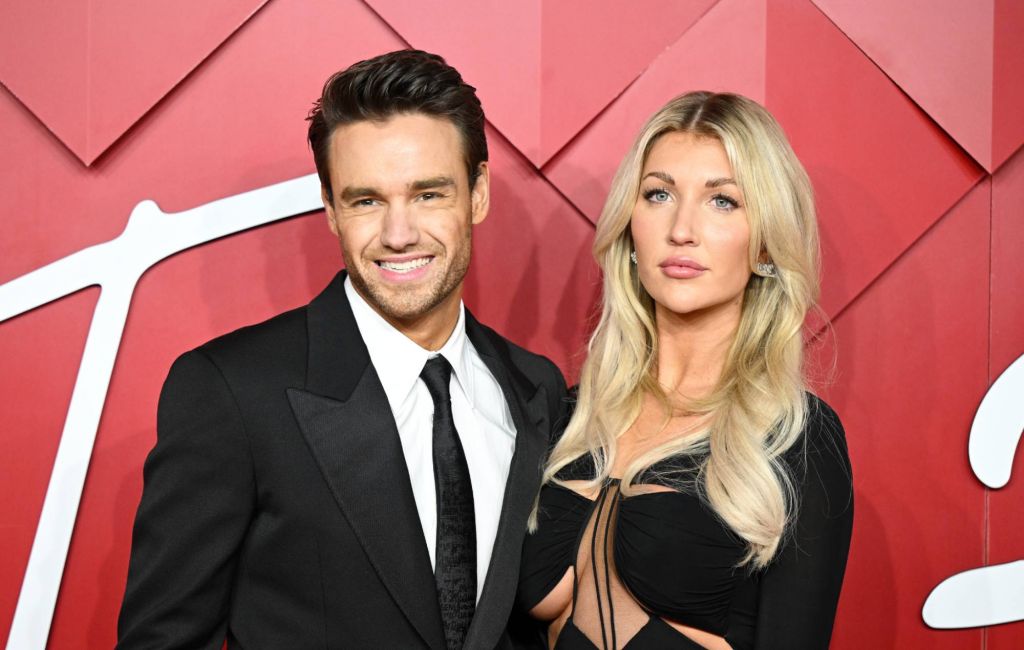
(277, 510)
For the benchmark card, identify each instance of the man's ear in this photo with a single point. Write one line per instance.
(481, 194)
(329, 210)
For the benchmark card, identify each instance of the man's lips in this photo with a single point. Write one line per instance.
(681, 268)
(404, 263)
(404, 268)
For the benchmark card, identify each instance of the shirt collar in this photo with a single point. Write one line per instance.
(397, 359)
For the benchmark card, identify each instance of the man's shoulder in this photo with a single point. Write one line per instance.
(269, 343)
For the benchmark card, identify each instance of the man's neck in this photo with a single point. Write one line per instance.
(430, 330)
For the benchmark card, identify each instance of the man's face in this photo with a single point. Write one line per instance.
(403, 212)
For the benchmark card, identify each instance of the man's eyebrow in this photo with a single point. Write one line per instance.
(437, 182)
(434, 183)
(719, 182)
(351, 192)
(663, 176)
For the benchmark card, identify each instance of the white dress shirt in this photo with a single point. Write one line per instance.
(482, 419)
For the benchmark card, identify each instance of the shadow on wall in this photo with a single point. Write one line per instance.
(532, 278)
(869, 619)
(578, 304)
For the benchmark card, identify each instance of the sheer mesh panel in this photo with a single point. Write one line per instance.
(603, 609)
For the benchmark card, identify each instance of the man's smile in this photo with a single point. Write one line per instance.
(404, 268)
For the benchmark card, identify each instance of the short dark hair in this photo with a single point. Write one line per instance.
(406, 81)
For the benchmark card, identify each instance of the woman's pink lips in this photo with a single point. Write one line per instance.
(681, 268)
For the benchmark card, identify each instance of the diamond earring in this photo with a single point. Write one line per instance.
(632, 257)
(766, 269)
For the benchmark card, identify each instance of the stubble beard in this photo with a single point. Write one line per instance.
(403, 304)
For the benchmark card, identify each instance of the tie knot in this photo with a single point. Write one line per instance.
(437, 374)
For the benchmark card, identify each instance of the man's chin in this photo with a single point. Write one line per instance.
(403, 302)
(405, 311)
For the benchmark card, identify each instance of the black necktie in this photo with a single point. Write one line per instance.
(455, 552)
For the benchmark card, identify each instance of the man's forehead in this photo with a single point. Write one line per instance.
(398, 152)
(408, 127)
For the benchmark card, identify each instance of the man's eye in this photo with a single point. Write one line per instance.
(427, 196)
(363, 203)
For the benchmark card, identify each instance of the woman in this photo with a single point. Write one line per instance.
(699, 497)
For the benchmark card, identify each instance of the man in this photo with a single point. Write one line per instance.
(356, 473)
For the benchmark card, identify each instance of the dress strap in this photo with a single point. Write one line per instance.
(608, 572)
(593, 565)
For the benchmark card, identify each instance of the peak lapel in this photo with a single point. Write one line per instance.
(344, 415)
(528, 406)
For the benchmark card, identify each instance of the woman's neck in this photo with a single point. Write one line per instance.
(692, 348)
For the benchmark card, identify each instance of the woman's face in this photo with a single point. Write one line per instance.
(690, 227)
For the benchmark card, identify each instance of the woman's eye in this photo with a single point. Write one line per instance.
(657, 196)
(723, 202)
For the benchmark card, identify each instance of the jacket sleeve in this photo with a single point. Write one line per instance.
(197, 500)
(799, 590)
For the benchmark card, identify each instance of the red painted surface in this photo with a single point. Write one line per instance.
(724, 51)
(91, 70)
(616, 38)
(1007, 278)
(1007, 91)
(531, 60)
(921, 246)
(882, 172)
(1006, 505)
(532, 274)
(41, 351)
(941, 57)
(961, 61)
(906, 385)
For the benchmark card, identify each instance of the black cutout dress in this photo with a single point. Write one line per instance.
(660, 555)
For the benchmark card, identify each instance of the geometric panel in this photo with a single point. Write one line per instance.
(882, 171)
(90, 70)
(962, 62)
(543, 69)
(494, 45)
(591, 51)
(1008, 81)
(723, 52)
(939, 52)
(532, 234)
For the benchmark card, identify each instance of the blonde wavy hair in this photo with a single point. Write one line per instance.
(758, 407)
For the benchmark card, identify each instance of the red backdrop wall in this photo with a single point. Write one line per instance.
(909, 120)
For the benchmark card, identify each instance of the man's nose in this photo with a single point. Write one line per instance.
(399, 230)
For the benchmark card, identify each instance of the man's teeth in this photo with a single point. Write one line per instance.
(405, 267)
